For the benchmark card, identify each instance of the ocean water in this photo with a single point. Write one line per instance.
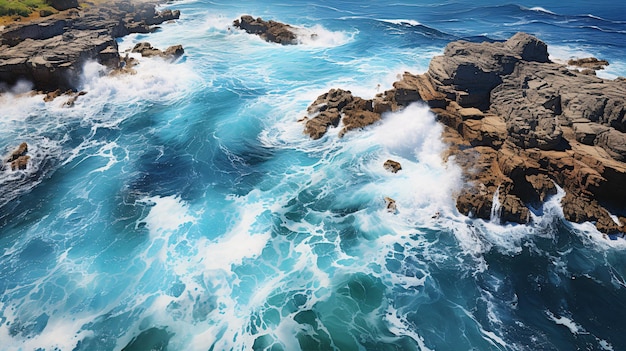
(182, 208)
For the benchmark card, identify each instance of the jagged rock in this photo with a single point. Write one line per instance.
(146, 50)
(528, 48)
(390, 204)
(517, 124)
(614, 142)
(173, 52)
(357, 114)
(50, 52)
(392, 166)
(587, 132)
(20, 151)
(326, 111)
(487, 131)
(270, 31)
(590, 63)
(52, 95)
(412, 88)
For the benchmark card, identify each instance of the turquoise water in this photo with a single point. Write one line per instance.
(182, 208)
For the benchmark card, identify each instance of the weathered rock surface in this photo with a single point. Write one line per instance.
(18, 159)
(390, 204)
(146, 50)
(271, 31)
(392, 166)
(340, 106)
(51, 52)
(589, 63)
(518, 125)
(546, 125)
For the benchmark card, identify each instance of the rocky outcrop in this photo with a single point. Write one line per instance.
(339, 108)
(390, 205)
(51, 52)
(271, 31)
(519, 126)
(18, 159)
(591, 63)
(392, 166)
(542, 124)
(146, 50)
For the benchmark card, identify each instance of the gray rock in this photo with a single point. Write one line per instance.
(270, 31)
(614, 142)
(51, 52)
(63, 4)
(587, 132)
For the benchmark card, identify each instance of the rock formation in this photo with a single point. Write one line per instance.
(146, 50)
(390, 205)
(588, 63)
(18, 159)
(519, 125)
(271, 31)
(392, 166)
(51, 52)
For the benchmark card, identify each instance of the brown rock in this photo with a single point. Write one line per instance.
(590, 63)
(392, 166)
(517, 124)
(20, 163)
(270, 31)
(412, 88)
(390, 204)
(20, 151)
(147, 50)
(357, 118)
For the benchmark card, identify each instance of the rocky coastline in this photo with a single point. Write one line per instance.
(518, 124)
(50, 52)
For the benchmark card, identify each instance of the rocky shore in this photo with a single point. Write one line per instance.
(50, 52)
(518, 124)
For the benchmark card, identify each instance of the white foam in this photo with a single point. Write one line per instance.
(541, 9)
(409, 22)
(605, 345)
(564, 321)
(399, 326)
(166, 214)
(563, 53)
(320, 37)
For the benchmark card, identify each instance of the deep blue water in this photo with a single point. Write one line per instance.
(182, 208)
